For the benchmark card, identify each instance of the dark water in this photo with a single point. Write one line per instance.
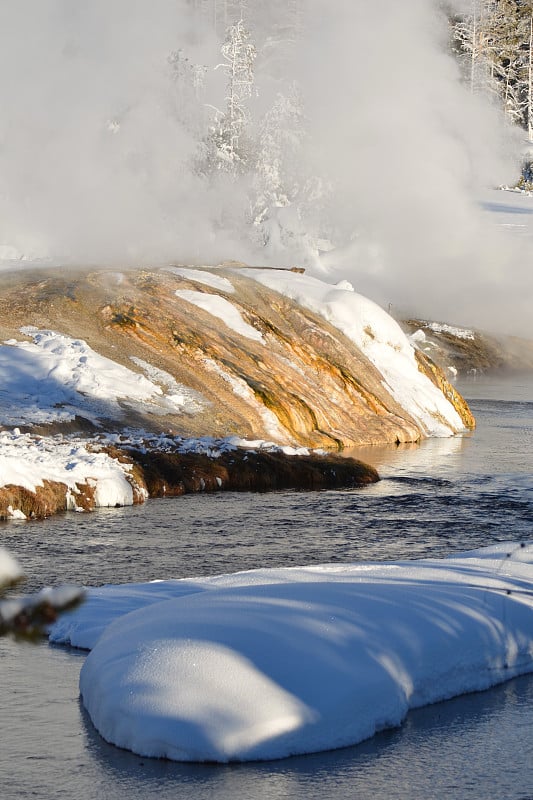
(442, 497)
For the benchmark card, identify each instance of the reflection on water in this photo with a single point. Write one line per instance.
(429, 456)
(439, 497)
(475, 747)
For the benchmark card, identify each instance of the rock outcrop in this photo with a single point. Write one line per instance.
(234, 358)
(460, 351)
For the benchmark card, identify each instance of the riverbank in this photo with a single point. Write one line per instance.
(159, 473)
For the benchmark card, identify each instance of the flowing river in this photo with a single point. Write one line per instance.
(441, 497)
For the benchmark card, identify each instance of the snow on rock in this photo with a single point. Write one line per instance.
(459, 333)
(204, 276)
(55, 377)
(245, 392)
(178, 396)
(220, 307)
(270, 663)
(380, 338)
(27, 461)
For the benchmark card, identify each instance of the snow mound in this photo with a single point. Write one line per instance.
(380, 338)
(271, 663)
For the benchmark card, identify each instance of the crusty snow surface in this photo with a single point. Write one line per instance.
(270, 663)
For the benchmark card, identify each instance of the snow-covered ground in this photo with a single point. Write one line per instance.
(459, 333)
(27, 460)
(269, 663)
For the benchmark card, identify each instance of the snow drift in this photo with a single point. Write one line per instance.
(271, 663)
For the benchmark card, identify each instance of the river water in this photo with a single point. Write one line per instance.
(434, 499)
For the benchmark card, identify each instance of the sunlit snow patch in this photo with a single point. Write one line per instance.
(270, 663)
(223, 309)
(459, 333)
(204, 276)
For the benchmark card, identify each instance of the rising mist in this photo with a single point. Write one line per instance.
(98, 162)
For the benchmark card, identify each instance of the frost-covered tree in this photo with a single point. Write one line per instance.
(229, 145)
(494, 41)
(280, 139)
(525, 79)
(288, 201)
(474, 40)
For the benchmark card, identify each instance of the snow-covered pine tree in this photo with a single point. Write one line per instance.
(473, 41)
(281, 134)
(229, 146)
(494, 41)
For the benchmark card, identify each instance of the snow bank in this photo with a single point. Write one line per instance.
(27, 461)
(380, 338)
(269, 663)
(55, 377)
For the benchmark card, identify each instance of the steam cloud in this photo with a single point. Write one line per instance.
(95, 164)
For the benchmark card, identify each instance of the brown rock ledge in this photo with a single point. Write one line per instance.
(175, 474)
(171, 474)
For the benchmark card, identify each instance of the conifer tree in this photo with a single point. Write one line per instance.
(229, 142)
(281, 135)
(494, 41)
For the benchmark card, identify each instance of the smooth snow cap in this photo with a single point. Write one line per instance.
(270, 663)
